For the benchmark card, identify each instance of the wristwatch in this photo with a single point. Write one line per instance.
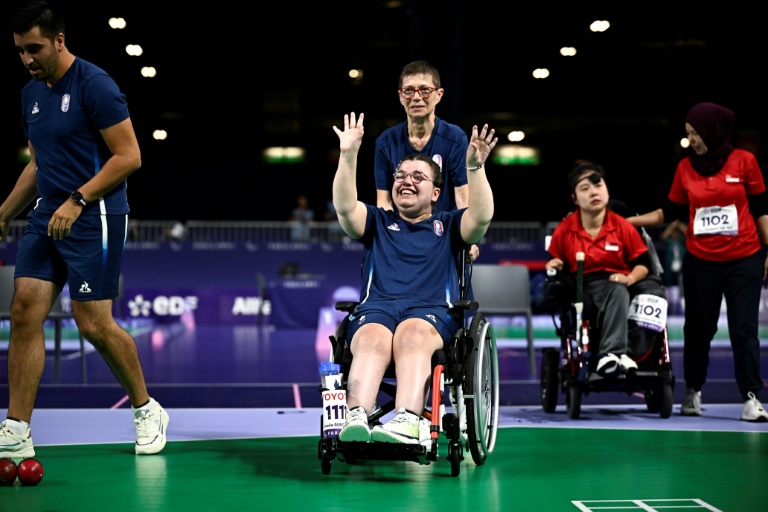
(78, 198)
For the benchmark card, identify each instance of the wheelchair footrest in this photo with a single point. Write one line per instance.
(384, 451)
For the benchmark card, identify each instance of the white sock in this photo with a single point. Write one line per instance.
(20, 427)
(146, 407)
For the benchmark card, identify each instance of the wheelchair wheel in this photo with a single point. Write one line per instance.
(481, 390)
(574, 401)
(325, 466)
(455, 459)
(653, 400)
(549, 379)
(665, 411)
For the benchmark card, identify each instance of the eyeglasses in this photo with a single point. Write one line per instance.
(416, 176)
(424, 92)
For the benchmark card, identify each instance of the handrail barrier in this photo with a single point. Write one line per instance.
(514, 233)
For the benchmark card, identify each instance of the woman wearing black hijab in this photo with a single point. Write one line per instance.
(719, 192)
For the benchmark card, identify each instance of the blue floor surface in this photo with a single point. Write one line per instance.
(189, 366)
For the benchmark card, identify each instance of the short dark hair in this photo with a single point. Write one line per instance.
(437, 174)
(38, 13)
(420, 67)
(574, 177)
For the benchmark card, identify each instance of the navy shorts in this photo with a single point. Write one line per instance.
(89, 258)
(390, 313)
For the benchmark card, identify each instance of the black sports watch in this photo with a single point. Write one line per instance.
(78, 198)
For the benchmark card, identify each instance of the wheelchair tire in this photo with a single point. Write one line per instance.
(574, 401)
(667, 398)
(325, 465)
(481, 390)
(549, 378)
(455, 459)
(653, 400)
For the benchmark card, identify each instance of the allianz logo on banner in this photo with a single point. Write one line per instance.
(251, 306)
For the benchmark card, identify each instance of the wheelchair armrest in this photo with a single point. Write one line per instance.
(347, 306)
(559, 288)
(468, 305)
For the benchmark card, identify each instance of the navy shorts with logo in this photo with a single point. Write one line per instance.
(391, 312)
(89, 258)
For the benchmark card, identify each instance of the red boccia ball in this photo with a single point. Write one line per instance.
(7, 471)
(30, 472)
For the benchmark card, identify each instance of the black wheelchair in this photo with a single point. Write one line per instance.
(467, 367)
(571, 368)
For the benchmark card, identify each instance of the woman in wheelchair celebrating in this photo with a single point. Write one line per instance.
(616, 263)
(409, 278)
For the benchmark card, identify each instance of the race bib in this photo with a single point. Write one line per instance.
(334, 411)
(649, 311)
(716, 220)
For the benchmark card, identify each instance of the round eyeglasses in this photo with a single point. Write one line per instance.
(416, 176)
(424, 92)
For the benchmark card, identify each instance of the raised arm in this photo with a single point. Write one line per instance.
(479, 212)
(351, 212)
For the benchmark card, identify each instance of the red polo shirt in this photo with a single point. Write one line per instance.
(739, 177)
(615, 246)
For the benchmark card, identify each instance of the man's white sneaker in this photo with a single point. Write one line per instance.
(14, 445)
(627, 363)
(403, 429)
(753, 410)
(151, 424)
(691, 404)
(356, 427)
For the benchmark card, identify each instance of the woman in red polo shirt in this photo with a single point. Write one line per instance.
(719, 192)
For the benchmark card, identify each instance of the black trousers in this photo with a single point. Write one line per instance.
(705, 283)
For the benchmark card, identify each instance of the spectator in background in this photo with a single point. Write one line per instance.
(719, 190)
(335, 233)
(301, 219)
(673, 244)
(420, 90)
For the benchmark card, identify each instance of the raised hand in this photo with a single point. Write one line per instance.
(480, 145)
(352, 136)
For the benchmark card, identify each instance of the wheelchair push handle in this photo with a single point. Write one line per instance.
(579, 275)
(583, 331)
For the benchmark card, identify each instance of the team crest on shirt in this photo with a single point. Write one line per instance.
(437, 227)
(35, 108)
(65, 103)
(438, 159)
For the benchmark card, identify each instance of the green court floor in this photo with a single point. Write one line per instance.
(531, 469)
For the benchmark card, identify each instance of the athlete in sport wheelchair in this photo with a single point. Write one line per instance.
(412, 313)
(467, 367)
(616, 289)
